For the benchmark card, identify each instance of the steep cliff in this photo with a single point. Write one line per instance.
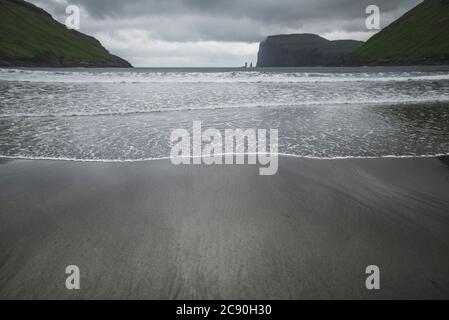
(30, 37)
(303, 50)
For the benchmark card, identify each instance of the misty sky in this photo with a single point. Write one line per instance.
(160, 33)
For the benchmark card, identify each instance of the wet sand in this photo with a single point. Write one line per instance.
(151, 230)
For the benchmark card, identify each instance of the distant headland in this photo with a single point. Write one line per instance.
(303, 50)
(420, 37)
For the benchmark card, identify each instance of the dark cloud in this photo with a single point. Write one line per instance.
(234, 20)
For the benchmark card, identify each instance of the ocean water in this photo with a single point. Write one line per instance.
(127, 115)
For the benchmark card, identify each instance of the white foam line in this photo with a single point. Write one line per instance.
(19, 157)
(268, 81)
(243, 106)
(20, 75)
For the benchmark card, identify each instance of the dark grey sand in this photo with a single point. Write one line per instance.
(153, 230)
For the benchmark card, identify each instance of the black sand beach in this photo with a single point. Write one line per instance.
(152, 230)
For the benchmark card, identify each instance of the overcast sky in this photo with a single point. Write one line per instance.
(160, 33)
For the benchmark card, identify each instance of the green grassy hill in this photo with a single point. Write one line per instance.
(29, 36)
(421, 36)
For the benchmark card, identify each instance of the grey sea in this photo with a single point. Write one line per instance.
(125, 114)
(363, 180)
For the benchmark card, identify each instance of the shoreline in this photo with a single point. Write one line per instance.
(152, 230)
(280, 155)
